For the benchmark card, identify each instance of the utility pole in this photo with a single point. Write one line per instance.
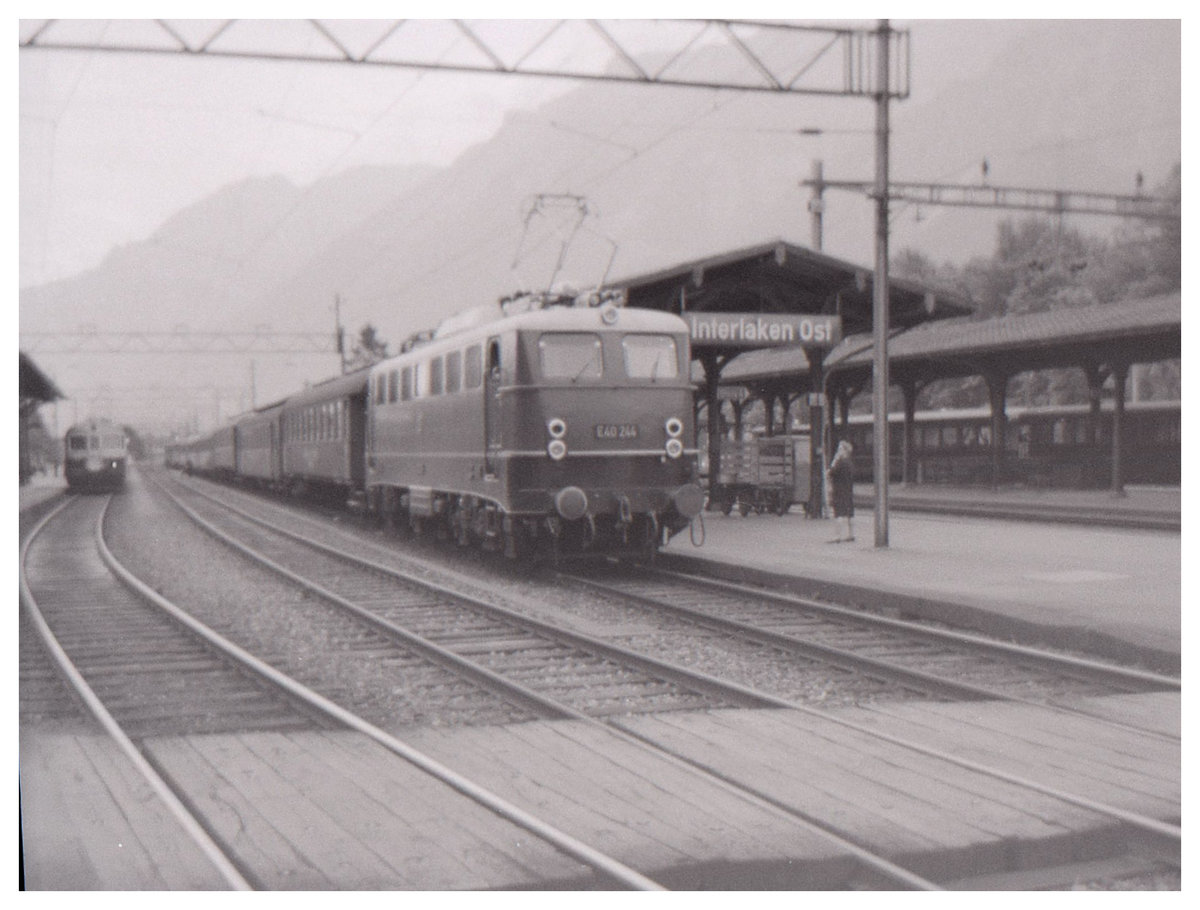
(880, 322)
(339, 332)
(816, 204)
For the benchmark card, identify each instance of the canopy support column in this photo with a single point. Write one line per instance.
(997, 383)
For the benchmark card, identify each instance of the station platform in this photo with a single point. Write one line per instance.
(1112, 592)
(1138, 506)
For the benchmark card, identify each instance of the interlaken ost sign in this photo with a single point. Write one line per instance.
(763, 330)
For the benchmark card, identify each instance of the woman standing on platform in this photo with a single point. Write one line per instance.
(840, 476)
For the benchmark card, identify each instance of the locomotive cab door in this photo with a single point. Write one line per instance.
(491, 406)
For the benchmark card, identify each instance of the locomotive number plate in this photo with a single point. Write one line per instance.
(616, 431)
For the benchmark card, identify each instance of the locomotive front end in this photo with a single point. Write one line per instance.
(94, 456)
(607, 433)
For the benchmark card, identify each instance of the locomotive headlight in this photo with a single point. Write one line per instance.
(674, 426)
(674, 448)
(557, 449)
(609, 315)
(556, 427)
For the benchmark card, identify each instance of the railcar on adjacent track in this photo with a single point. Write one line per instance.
(1050, 446)
(95, 455)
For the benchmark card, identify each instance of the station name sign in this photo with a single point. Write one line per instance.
(763, 330)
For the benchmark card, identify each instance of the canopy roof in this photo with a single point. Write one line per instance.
(780, 277)
(1133, 331)
(36, 385)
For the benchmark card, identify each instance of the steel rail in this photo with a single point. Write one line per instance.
(701, 683)
(848, 660)
(514, 693)
(1095, 668)
(491, 801)
(191, 825)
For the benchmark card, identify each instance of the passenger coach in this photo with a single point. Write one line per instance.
(321, 434)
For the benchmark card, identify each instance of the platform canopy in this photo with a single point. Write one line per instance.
(36, 385)
(781, 278)
(1132, 331)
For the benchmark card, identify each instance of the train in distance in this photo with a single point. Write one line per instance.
(95, 455)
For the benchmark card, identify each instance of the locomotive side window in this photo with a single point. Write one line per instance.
(570, 355)
(650, 357)
(453, 372)
(406, 384)
(473, 367)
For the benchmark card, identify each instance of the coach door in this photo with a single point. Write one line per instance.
(491, 406)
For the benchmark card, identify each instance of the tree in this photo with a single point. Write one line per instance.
(368, 348)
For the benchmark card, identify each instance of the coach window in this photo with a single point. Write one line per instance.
(435, 376)
(949, 436)
(393, 386)
(570, 355)
(453, 372)
(406, 385)
(473, 367)
(420, 380)
(650, 357)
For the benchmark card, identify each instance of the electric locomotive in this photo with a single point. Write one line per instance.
(94, 456)
(562, 429)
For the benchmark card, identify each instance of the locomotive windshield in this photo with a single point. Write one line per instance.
(570, 355)
(78, 443)
(650, 357)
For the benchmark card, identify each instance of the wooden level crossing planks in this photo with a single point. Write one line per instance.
(1123, 768)
(1161, 712)
(868, 794)
(89, 821)
(338, 811)
(905, 803)
(648, 811)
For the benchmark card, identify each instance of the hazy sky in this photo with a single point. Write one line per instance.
(111, 145)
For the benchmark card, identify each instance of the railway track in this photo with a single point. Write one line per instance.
(1165, 835)
(144, 667)
(565, 673)
(940, 662)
